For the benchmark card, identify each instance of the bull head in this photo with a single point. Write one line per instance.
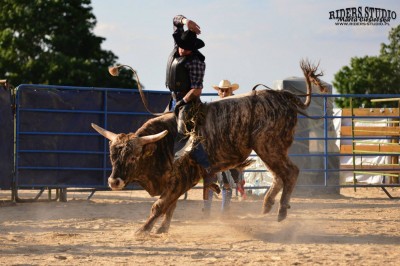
(125, 149)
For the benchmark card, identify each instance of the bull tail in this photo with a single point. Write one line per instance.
(312, 77)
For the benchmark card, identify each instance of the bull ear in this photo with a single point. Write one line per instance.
(153, 138)
(105, 133)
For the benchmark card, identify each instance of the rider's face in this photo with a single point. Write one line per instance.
(183, 52)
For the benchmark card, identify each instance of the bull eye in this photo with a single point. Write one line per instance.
(114, 154)
(132, 159)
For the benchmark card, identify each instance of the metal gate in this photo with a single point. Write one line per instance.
(55, 144)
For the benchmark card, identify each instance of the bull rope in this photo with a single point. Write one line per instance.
(114, 71)
(196, 117)
(298, 95)
(265, 86)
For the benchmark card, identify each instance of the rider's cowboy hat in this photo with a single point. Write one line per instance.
(188, 40)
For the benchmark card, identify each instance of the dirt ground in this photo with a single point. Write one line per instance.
(354, 228)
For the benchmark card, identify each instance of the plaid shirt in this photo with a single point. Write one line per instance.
(196, 67)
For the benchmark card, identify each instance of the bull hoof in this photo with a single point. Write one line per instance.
(282, 214)
(267, 209)
(141, 231)
(162, 230)
(267, 205)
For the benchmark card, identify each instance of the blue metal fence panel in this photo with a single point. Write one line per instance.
(55, 144)
(6, 138)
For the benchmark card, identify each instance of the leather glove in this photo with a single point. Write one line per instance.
(178, 105)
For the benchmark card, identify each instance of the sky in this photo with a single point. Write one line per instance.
(247, 42)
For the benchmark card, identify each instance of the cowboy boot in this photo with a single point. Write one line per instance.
(199, 155)
(181, 145)
(182, 141)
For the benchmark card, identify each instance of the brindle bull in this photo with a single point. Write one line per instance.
(263, 121)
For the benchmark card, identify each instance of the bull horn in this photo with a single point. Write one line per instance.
(105, 133)
(153, 138)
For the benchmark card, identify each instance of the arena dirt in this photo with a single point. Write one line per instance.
(353, 228)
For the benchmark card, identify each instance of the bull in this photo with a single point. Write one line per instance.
(261, 120)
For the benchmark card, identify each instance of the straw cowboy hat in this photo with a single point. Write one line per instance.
(226, 84)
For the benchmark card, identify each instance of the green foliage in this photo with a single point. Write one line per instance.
(391, 51)
(52, 42)
(371, 74)
(365, 75)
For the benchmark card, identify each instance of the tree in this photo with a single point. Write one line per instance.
(391, 51)
(52, 42)
(371, 74)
